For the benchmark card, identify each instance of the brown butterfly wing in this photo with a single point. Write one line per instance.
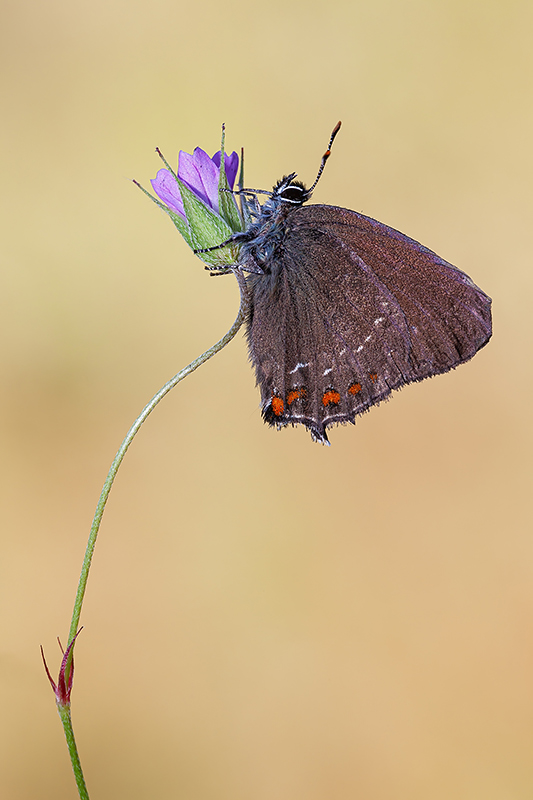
(350, 310)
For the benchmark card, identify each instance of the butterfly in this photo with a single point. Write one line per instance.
(343, 309)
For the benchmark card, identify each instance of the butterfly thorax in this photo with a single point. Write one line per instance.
(262, 240)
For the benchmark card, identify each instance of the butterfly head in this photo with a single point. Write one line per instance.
(289, 192)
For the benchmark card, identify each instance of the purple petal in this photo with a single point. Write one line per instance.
(200, 174)
(231, 165)
(166, 188)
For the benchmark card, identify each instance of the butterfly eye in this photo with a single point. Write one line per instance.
(293, 194)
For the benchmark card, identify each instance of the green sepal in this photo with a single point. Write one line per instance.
(226, 201)
(244, 202)
(206, 229)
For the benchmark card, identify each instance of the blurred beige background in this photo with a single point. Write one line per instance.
(266, 618)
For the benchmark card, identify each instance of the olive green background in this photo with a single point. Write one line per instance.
(266, 618)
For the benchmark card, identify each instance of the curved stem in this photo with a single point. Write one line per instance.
(147, 410)
(67, 666)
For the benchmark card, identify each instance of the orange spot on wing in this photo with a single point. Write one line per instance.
(296, 394)
(277, 405)
(354, 388)
(373, 377)
(331, 396)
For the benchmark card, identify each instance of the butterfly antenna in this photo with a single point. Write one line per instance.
(326, 155)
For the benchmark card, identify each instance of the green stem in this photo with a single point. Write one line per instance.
(64, 711)
(64, 714)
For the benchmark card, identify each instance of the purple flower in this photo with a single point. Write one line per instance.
(199, 204)
(200, 173)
